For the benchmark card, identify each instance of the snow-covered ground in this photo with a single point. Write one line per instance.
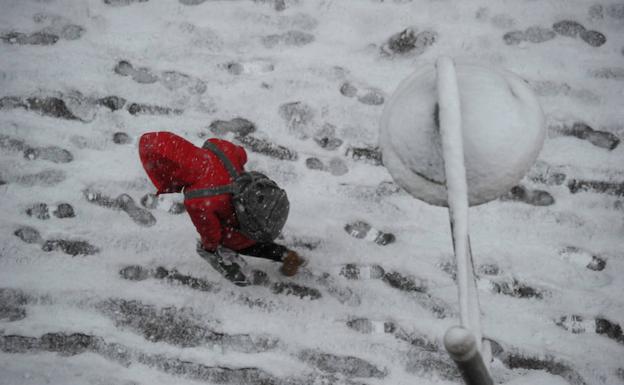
(115, 293)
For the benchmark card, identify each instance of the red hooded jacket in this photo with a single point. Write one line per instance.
(173, 164)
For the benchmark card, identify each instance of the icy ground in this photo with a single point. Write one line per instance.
(100, 282)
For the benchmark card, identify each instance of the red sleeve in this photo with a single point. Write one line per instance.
(209, 228)
(171, 162)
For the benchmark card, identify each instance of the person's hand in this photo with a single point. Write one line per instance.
(291, 263)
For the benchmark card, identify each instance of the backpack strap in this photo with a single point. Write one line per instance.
(224, 159)
(217, 190)
(209, 192)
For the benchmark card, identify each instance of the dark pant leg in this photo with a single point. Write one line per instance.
(266, 250)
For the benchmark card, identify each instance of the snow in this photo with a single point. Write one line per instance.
(142, 331)
(502, 124)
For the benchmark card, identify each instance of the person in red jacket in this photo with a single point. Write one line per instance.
(175, 165)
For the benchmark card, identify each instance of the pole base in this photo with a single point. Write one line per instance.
(462, 347)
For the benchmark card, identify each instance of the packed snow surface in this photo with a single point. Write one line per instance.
(99, 279)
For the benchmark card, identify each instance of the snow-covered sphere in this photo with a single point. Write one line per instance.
(503, 132)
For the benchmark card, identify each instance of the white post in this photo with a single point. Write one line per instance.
(456, 184)
(462, 347)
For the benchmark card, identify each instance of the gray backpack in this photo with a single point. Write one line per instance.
(261, 205)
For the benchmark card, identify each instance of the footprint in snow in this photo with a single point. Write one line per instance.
(529, 196)
(53, 154)
(45, 178)
(35, 38)
(12, 303)
(199, 37)
(405, 283)
(342, 294)
(139, 215)
(534, 34)
(363, 230)
(514, 358)
(44, 105)
(354, 271)
(123, 202)
(291, 38)
(583, 131)
(610, 73)
(574, 29)
(547, 174)
(267, 148)
(568, 28)
(551, 88)
(336, 166)
(112, 102)
(370, 193)
(259, 278)
(596, 186)
(326, 137)
(348, 366)
(29, 235)
(409, 42)
(513, 288)
(64, 210)
(583, 258)
(123, 3)
(297, 290)
(370, 155)
(136, 109)
(151, 201)
(67, 345)
(140, 75)
(42, 211)
(121, 138)
(393, 279)
(299, 118)
(72, 247)
(11, 144)
(485, 269)
(59, 26)
(71, 105)
(171, 80)
(178, 326)
(237, 126)
(368, 96)
(191, 2)
(614, 10)
(578, 324)
(368, 326)
(249, 67)
(140, 273)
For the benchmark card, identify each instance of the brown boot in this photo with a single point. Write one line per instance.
(291, 263)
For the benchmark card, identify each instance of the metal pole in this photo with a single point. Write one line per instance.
(464, 344)
(462, 347)
(457, 189)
